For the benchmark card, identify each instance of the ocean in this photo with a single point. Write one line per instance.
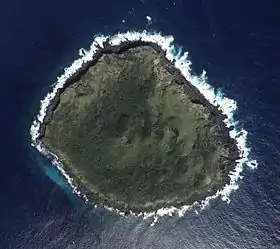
(237, 44)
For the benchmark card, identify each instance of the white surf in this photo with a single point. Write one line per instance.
(228, 107)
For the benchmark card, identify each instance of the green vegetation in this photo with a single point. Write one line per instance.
(132, 136)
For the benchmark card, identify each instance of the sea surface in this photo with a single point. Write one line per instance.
(236, 42)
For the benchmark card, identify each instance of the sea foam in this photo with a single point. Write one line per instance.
(226, 105)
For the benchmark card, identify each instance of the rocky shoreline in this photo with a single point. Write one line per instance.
(194, 95)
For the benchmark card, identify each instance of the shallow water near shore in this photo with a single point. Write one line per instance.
(236, 44)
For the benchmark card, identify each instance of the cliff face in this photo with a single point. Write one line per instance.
(226, 147)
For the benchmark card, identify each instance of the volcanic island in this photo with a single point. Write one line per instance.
(134, 134)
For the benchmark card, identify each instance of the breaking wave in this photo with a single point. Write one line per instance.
(226, 105)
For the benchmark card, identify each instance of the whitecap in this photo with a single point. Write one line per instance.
(149, 20)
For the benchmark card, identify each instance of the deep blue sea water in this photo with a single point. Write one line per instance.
(236, 42)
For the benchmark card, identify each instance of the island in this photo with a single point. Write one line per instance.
(135, 135)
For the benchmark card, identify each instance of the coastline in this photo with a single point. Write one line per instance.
(194, 94)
